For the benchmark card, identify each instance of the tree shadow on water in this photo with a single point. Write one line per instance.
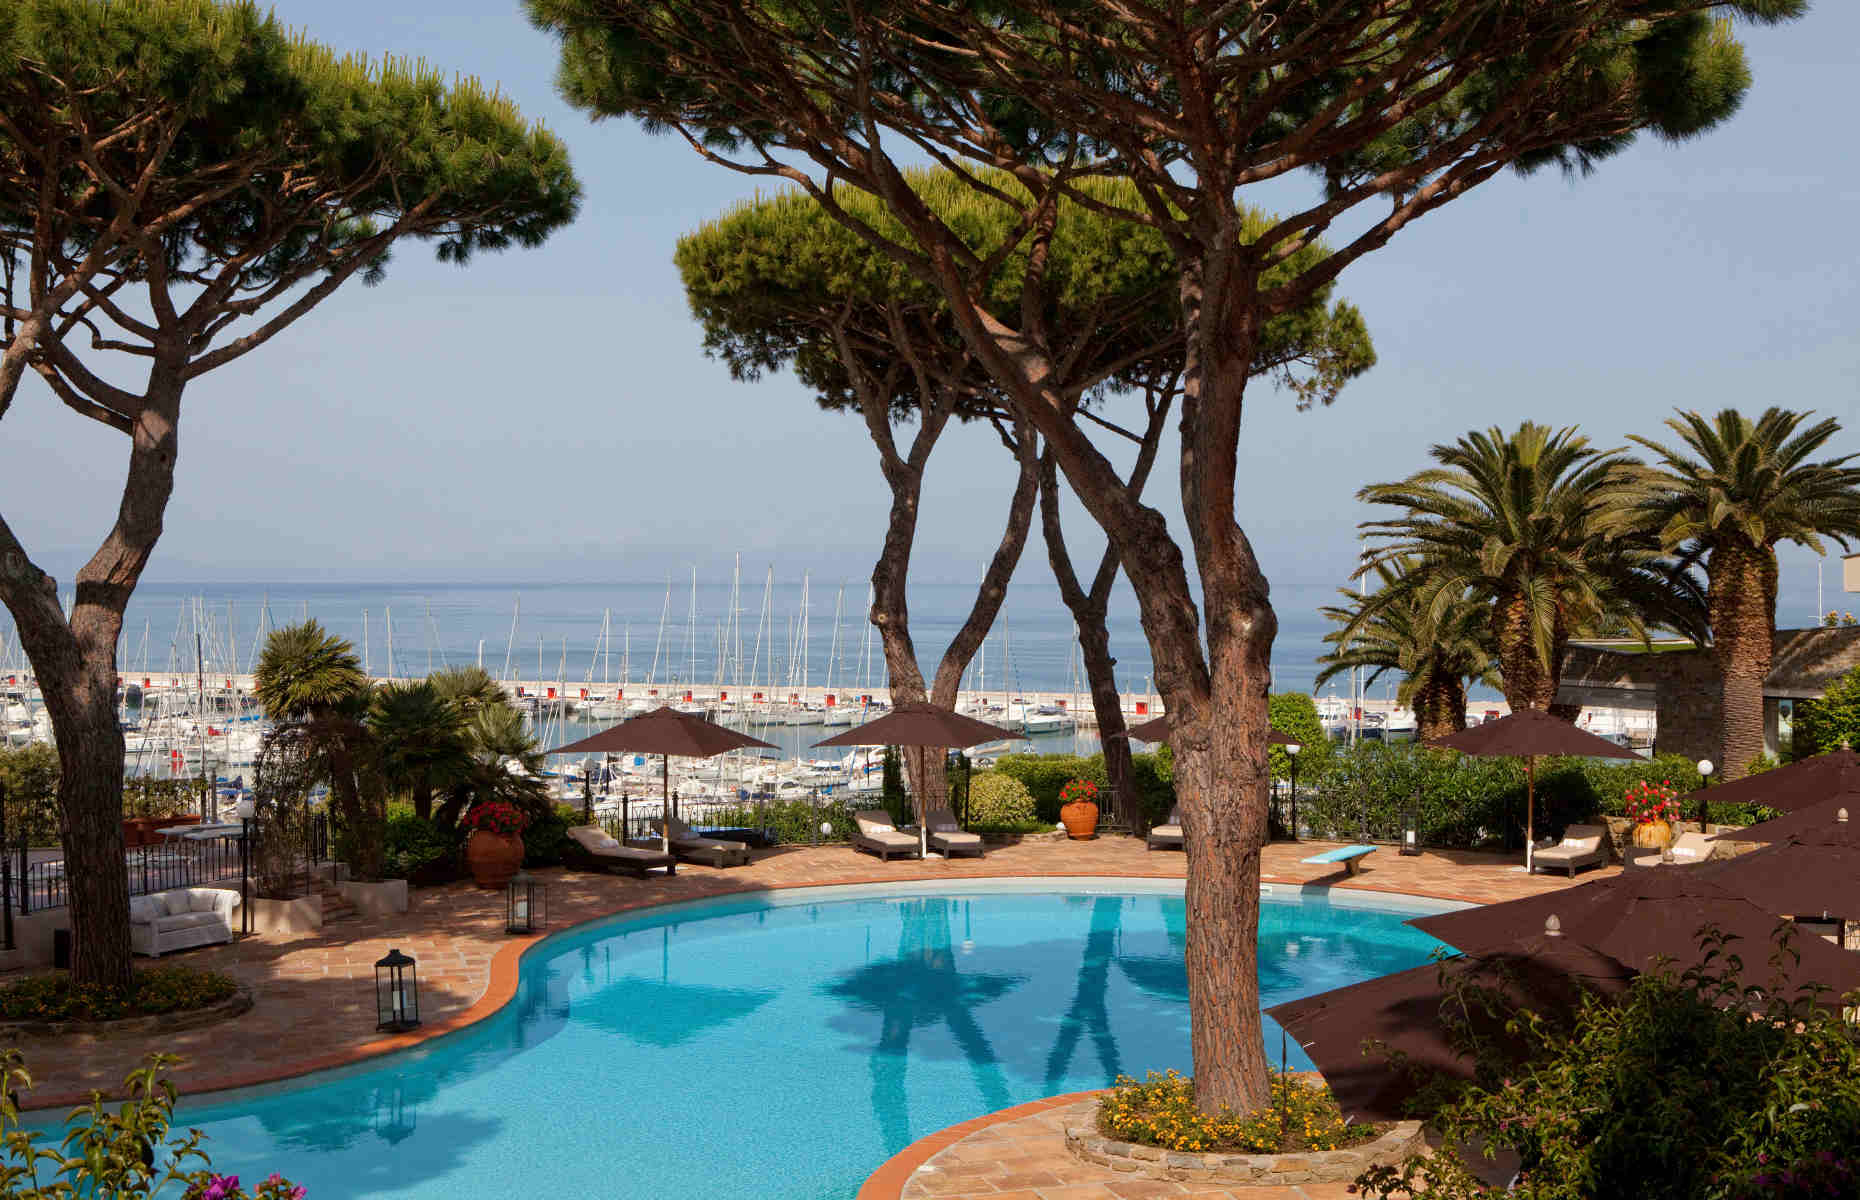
(922, 987)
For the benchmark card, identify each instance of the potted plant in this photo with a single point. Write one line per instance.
(1652, 808)
(1078, 808)
(494, 850)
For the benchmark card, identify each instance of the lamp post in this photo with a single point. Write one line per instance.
(1291, 753)
(246, 808)
(1705, 769)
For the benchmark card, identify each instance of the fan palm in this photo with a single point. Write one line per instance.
(1521, 522)
(505, 764)
(420, 740)
(1730, 492)
(311, 684)
(469, 689)
(1436, 652)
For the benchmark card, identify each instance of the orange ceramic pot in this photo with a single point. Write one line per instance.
(1653, 834)
(493, 857)
(1081, 818)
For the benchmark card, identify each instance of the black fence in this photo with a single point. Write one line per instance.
(189, 861)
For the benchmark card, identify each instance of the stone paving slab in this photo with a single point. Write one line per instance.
(315, 997)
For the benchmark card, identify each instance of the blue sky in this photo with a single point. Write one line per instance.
(549, 414)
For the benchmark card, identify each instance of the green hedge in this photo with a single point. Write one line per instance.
(1045, 774)
(417, 849)
(1462, 802)
(792, 822)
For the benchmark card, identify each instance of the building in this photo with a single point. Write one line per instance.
(1680, 687)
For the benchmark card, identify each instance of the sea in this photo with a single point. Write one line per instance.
(777, 630)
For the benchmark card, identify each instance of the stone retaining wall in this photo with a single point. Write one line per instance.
(1257, 1170)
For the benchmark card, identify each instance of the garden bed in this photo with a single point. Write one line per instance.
(1153, 1129)
(162, 1000)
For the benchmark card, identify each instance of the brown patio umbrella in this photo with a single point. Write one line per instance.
(1798, 785)
(1799, 877)
(922, 725)
(1526, 734)
(1820, 820)
(665, 731)
(1410, 1013)
(1641, 916)
(1157, 730)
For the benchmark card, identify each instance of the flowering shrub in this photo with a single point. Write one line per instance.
(1161, 1111)
(226, 1187)
(1077, 790)
(1646, 802)
(154, 990)
(496, 816)
(998, 799)
(114, 1151)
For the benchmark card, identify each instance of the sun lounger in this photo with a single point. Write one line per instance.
(946, 835)
(879, 836)
(1350, 856)
(591, 847)
(1582, 846)
(714, 852)
(1686, 848)
(1168, 835)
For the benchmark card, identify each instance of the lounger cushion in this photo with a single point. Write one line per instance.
(945, 827)
(1169, 831)
(878, 828)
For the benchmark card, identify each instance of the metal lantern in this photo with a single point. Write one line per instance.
(397, 993)
(1410, 831)
(526, 904)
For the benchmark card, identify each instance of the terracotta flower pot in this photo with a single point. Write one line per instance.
(493, 857)
(1081, 818)
(1653, 834)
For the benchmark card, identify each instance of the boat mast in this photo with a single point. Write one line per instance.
(511, 641)
(665, 610)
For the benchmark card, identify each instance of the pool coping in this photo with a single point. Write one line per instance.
(887, 1183)
(504, 971)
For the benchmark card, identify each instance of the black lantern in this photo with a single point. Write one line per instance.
(526, 904)
(397, 993)
(1410, 831)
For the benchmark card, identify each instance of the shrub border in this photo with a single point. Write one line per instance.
(1254, 1170)
(237, 1004)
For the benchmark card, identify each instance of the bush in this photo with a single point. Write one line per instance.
(1012, 827)
(1672, 1092)
(1295, 715)
(30, 775)
(792, 822)
(1153, 778)
(1044, 775)
(153, 990)
(1830, 722)
(1461, 801)
(1161, 1112)
(997, 798)
(146, 797)
(546, 835)
(119, 1151)
(417, 849)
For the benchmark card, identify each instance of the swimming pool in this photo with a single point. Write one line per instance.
(781, 1046)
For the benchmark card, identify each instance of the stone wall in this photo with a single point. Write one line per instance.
(1681, 686)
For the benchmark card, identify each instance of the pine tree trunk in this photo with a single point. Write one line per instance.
(90, 800)
(1741, 599)
(1108, 707)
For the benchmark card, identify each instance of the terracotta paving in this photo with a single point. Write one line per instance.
(315, 993)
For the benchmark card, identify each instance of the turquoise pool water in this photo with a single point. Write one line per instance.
(781, 1047)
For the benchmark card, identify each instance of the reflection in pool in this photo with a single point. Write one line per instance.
(778, 1048)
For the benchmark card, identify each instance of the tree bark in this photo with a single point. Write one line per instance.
(1526, 682)
(74, 661)
(1439, 707)
(1741, 600)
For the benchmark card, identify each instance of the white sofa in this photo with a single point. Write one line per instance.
(180, 918)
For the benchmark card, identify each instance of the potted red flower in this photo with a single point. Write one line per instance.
(1652, 808)
(494, 850)
(1078, 808)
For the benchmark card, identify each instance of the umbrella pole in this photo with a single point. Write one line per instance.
(665, 803)
(1530, 807)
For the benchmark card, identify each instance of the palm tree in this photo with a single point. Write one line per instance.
(1435, 651)
(504, 763)
(1522, 523)
(420, 740)
(311, 684)
(469, 689)
(1728, 495)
